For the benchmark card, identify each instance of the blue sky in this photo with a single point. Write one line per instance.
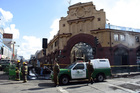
(32, 20)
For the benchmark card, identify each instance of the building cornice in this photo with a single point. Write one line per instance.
(81, 20)
(113, 30)
(80, 5)
(59, 36)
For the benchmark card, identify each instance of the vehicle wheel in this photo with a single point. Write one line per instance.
(100, 78)
(64, 80)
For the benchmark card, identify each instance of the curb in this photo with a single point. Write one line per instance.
(118, 75)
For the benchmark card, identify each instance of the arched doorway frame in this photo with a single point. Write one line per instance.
(123, 57)
(85, 38)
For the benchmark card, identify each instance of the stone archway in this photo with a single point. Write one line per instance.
(86, 38)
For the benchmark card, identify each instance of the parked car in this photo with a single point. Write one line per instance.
(4, 64)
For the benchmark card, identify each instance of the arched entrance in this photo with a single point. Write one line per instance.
(82, 52)
(121, 57)
(86, 39)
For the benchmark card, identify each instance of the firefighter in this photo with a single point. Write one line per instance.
(90, 71)
(56, 70)
(18, 70)
(24, 72)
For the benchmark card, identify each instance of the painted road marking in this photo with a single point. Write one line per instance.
(62, 90)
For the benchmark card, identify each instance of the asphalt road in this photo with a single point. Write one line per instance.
(130, 84)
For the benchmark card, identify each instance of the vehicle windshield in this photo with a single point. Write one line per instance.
(70, 66)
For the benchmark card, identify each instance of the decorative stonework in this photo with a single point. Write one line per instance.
(72, 12)
(80, 12)
(89, 11)
(81, 20)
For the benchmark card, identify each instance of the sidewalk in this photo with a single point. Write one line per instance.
(117, 75)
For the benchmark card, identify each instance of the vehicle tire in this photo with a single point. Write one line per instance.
(64, 80)
(100, 77)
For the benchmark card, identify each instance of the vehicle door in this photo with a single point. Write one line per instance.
(78, 71)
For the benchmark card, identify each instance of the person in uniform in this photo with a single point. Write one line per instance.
(90, 71)
(41, 69)
(24, 72)
(18, 70)
(56, 70)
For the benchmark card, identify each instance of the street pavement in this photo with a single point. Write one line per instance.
(38, 86)
(32, 86)
(123, 84)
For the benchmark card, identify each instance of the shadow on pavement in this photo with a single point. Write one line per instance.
(11, 83)
(35, 88)
(45, 85)
(75, 87)
(78, 84)
(32, 89)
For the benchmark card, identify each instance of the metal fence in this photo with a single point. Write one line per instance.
(125, 69)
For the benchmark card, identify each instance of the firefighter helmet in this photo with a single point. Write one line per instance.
(18, 61)
(24, 63)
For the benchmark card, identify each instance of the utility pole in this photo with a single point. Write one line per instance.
(13, 49)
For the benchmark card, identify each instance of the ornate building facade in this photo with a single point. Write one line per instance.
(82, 36)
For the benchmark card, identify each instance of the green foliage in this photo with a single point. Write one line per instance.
(12, 66)
(9, 67)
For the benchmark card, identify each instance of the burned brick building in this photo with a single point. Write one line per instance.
(82, 36)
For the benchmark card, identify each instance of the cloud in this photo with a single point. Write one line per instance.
(29, 45)
(12, 30)
(125, 13)
(55, 28)
(6, 16)
(118, 12)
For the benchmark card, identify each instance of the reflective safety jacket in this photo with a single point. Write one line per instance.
(25, 69)
(18, 68)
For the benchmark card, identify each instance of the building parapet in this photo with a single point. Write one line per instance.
(108, 26)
